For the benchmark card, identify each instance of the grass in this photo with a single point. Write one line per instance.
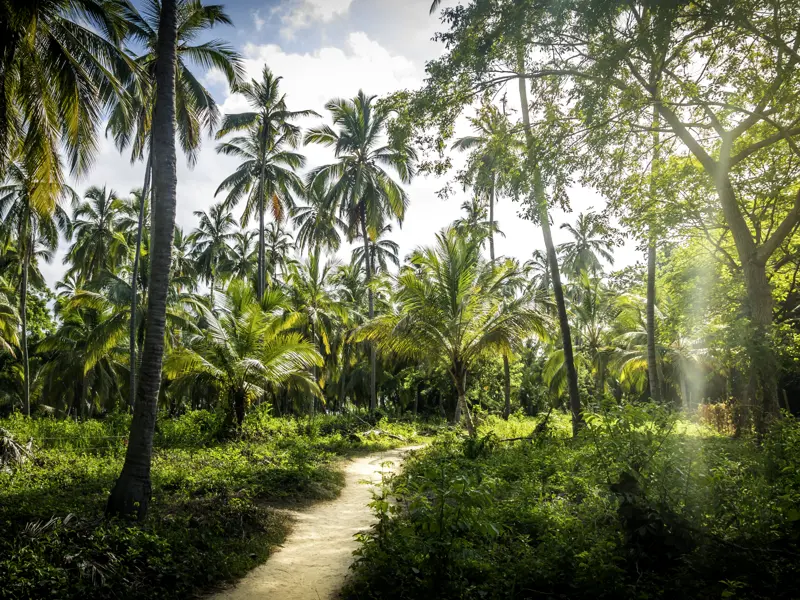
(209, 522)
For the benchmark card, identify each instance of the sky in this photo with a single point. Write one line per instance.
(325, 49)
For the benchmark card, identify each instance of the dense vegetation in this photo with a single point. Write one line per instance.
(209, 523)
(181, 375)
(642, 505)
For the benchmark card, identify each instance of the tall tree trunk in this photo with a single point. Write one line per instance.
(24, 246)
(506, 367)
(135, 282)
(261, 241)
(371, 300)
(650, 308)
(555, 275)
(132, 491)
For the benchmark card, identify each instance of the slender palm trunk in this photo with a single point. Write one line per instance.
(506, 366)
(462, 407)
(555, 275)
(132, 491)
(212, 283)
(261, 240)
(371, 300)
(25, 245)
(135, 283)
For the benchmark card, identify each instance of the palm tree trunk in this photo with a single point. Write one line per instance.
(24, 246)
(371, 300)
(506, 367)
(135, 283)
(462, 408)
(211, 283)
(132, 491)
(261, 240)
(555, 275)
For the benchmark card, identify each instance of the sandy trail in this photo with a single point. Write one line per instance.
(314, 560)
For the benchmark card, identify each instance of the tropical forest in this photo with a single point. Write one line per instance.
(431, 299)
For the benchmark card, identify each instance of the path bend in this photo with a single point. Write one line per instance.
(315, 558)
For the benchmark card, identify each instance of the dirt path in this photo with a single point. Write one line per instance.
(314, 560)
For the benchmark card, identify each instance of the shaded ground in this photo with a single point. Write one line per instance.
(314, 560)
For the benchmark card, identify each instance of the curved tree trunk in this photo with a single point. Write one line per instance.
(24, 246)
(135, 283)
(371, 300)
(555, 276)
(131, 493)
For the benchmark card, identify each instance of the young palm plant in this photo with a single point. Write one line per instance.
(243, 352)
(361, 188)
(452, 305)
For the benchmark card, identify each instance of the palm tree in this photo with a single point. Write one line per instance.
(99, 241)
(210, 241)
(184, 267)
(59, 62)
(87, 359)
(131, 120)
(490, 145)
(363, 191)
(278, 244)
(242, 351)
(131, 492)
(317, 224)
(592, 241)
(243, 255)
(538, 271)
(9, 319)
(312, 296)
(453, 306)
(382, 251)
(30, 217)
(267, 173)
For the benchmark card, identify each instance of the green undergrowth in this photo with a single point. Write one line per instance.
(209, 521)
(642, 505)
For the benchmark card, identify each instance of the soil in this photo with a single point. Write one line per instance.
(315, 558)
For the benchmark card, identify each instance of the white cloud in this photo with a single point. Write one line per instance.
(301, 14)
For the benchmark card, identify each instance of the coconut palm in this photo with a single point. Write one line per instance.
(9, 319)
(59, 62)
(314, 298)
(475, 223)
(453, 307)
(592, 241)
(184, 267)
(242, 352)
(131, 492)
(210, 240)
(361, 189)
(267, 174)
(243, 255)
(489, 147)
(30, 218)
(99, 240)
(317, 224)
(131, 121)
(278, 245)
(382, 251)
